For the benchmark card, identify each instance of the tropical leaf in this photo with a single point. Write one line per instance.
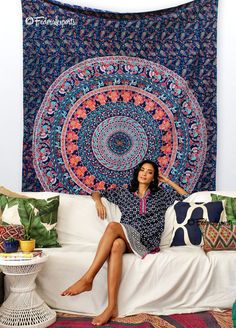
(7, 201)
(3, 202)
(24, 210)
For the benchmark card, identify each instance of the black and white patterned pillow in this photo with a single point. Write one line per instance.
(186, 215)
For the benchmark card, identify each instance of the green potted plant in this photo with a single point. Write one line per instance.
(27, 213)
(11, 245)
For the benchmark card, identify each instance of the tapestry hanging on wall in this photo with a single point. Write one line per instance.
(103, 91)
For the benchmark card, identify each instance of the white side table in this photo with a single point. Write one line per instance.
(24, 307)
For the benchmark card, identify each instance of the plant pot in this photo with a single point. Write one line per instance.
(27, 245)
(11, 246)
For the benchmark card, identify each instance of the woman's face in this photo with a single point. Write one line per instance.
(146, 174)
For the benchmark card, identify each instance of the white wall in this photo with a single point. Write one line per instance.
(11, 85)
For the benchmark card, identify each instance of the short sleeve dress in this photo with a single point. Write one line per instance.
(142, 219)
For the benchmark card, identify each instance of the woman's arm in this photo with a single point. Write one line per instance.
(101, 209)
(174, 185)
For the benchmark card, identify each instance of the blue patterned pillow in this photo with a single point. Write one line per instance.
(186, 215)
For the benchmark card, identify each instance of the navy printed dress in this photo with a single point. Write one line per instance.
(142, 219)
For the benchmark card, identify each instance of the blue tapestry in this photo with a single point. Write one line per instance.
(103, 91)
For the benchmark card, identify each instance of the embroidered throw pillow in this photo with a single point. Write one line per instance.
(218, 236)
(10, 231)
(42, 213)
(230, 206)
(186, 215)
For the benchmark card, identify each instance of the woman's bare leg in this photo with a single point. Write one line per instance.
(114, 277)
(113, 231)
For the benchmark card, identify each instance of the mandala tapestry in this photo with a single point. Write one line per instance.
(103, 91)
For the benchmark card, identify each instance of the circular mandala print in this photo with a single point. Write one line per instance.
(103, 116)
(114, 143)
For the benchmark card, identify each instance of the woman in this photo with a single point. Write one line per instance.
(143, 207)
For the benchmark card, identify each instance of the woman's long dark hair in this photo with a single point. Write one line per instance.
(134, 182)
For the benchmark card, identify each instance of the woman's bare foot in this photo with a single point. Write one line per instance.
(80, 286)
(105, 316)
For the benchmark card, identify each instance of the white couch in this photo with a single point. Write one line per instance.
(179, 279)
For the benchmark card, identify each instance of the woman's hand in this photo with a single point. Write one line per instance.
(163, 178)
(101, 209)
(174, 185)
